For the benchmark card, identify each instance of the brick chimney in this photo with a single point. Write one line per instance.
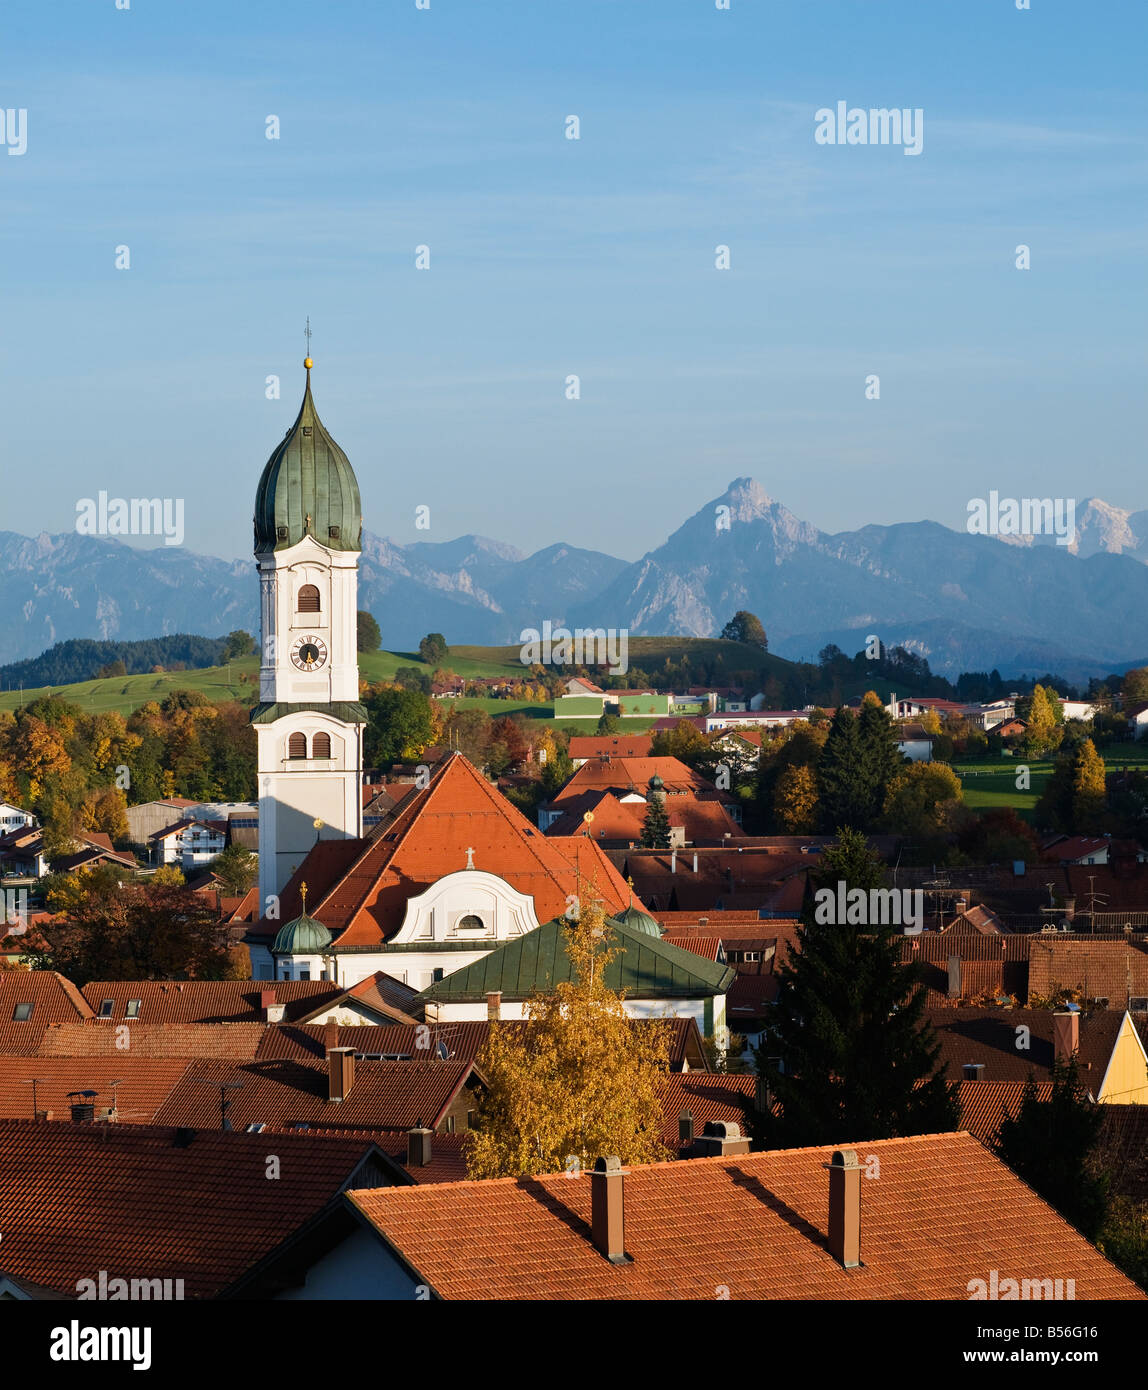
(845, 1208)
(685, 1128)
(721, 1137)
(954, 977)
(1065, 1033)
(272, 1012)
(419, 1146)
(330, 1035)
(493, 1005)
(607, 1220)
(340, 1073)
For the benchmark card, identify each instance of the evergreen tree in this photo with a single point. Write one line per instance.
(879, 759)
(1048, 1144)
(847, 1025)
(844, 793)
(656, 826)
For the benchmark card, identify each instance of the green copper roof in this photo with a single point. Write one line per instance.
(349, 711)
(640, 921)
(302, 936)
(645, 967)
(308, 488)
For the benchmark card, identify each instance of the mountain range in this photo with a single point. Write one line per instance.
(966, 602)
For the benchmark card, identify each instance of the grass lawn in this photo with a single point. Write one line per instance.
(991, 782)
(127, 693)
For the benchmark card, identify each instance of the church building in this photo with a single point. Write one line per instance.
(455, 870)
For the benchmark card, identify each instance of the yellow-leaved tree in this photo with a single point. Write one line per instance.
(578, 1079)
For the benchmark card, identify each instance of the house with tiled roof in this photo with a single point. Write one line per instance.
(600, 815)
(992, 1044)
(31, 1000)
(1111, 972)
(191, 844)
(945, 1220)
(146, 1205)
(93, 847)
(209, 1001)
(659, 980)
(583, 747)
(456, 872)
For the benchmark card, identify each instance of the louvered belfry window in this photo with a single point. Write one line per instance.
(297, 746)
(308, 599)
(321, 746)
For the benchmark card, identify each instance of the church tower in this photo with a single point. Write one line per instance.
(308, 722)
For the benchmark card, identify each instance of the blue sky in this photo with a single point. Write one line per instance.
(445, 127)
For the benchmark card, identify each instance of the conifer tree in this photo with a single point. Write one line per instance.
(879, 759)
(844, 797)
(656, 826)
(856, 1060)
(1048, 1144)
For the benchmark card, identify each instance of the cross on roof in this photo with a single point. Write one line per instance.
(469, 858)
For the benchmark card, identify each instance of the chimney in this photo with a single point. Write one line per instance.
(419, 1146)
(272, 1012)
(1065, 1033)
(330, 1035)
(674, 860)
(83, 1112)
(607, 1221)
(961, 905)
(845, 1208)
(695, 861)
(685, 1128)
(493, 1005)
(762, 1096)
(340, 1073)
(954, 977)
(722, 1137)
(973, 1070)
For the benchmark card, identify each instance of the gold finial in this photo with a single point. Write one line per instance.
(303, 895)
(307, 334)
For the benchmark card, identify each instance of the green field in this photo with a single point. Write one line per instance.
(991, 782)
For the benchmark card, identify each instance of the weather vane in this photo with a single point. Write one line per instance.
(307, 335)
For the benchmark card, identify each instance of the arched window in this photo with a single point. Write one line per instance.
(471, 922)
(321, 746)
(297, 746)
(308, 599)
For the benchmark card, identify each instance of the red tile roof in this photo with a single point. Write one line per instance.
(984, 1104)
(989, 1036)
(238, 1042)
(145, 1083)
(360, 888)
(385, 1095)
(143, 1202)
(610, 746)
(707, 1096)
(53, 998)
(943, 1213)
(209, 1001)
(1102, 968)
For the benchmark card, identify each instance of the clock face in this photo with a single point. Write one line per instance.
(309, 653)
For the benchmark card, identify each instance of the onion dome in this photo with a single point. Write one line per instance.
(637, 920)
(308, 488)
(655, 783)
(301, 937)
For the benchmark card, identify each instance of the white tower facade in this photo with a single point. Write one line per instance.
(309, 723)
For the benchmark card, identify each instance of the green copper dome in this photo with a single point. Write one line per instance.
(304, 936)
(638, 920)
(308, 488)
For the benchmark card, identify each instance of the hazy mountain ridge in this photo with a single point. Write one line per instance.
(964, 601)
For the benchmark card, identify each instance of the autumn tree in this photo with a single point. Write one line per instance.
(399, 725)
(921, 800)
(579, 1079)
(795, 800)
(856, 1055)
(1088, 788)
